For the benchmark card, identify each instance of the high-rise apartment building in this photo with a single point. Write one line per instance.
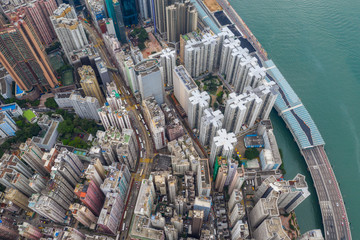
(198, 102)
(91, 196)
(181, 18)
(32, 155)
(95, 172)
(145, 9)
(223, 144)
(292, 192)
(47, 207)
(17, 198)
(183, 155)
(235, 198)
(265, 208)
(115, 13)
(71, 233)
(184, 85)
(90, 84)
(203, 178)
(155, 118)
(203, 204)
(8, 161)
(8, 231)
(103, 71)
(117, 181)
(150, 80)
(238, 179)
(145, 198)
(69, 165)
(39, 13)
(7, 125)
(174, 128)
(69, 29)
(200, 54)
(24, 57)
(211, 122)
(197, 222)
(29, 231)
(270, 228)
(83, 214)
(85, 107)
(114, 114)
(240, 231)
(236, 214)
(172, 186)
(160, 182)
(221, 175)
(37, 182)
(243, 110)
(129, 12)
(168, 63)
(159, 9)
(171, 232)
(110, 215)
(127, 149)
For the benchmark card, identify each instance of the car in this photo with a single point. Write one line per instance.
(337, 204)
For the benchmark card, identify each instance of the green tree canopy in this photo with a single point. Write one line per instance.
(50, 103)
(251, 153)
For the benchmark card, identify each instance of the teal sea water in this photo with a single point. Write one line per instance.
(316, 46)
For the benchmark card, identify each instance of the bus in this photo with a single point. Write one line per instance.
(142, 145)
(137, 132)
(125, 102)
(141, 155)
(123, 227)
(136, 107)
(125, 215)
(141, 172)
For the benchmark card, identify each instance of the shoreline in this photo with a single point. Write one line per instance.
(332, 206)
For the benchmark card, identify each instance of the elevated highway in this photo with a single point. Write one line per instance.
(311, 144)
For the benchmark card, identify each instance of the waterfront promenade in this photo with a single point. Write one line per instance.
(307, 136)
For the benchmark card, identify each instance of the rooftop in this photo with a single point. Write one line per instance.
(29, 115)
(141, 229)
(187, 80)
(147, 66)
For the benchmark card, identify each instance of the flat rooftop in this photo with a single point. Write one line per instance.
(185, 77)
(222, 18)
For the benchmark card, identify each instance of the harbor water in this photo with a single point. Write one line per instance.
(315, 44)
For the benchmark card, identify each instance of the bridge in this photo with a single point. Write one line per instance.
(311, 144)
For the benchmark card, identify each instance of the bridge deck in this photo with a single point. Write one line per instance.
(336, 225)
(311, 144)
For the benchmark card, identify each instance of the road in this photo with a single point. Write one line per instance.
(134, 110)
(335, 220)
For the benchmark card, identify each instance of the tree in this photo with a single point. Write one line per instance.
(219, 97)
(51, 103)
(35, 103)
(216, 105)
(251, 153)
